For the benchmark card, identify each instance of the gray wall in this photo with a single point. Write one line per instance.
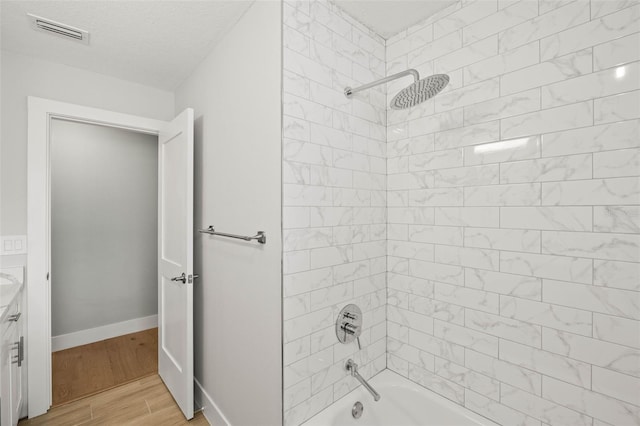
(23, 76)
(236, 95)
(104, 226)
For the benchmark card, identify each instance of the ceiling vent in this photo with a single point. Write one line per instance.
(56, 28)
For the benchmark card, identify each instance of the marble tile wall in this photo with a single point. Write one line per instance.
(513, 199)
(334, 192)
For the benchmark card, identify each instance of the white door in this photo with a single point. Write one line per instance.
(175, 259)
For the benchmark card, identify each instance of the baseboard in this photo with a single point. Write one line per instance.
(91, 335)
(209, 408)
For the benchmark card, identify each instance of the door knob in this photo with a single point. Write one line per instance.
(182, 278)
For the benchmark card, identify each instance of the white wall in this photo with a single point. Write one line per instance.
(236, 94)
(334, 188)
(104, 211)
(514, 211)
(24, 76)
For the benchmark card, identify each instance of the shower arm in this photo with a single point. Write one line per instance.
(348, 91)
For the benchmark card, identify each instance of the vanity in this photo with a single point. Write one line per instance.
(11, 344)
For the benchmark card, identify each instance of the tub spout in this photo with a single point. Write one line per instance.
(352, 368)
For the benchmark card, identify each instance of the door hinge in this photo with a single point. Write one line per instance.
(47, 276)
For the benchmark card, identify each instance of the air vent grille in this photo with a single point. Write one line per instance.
(58, 29)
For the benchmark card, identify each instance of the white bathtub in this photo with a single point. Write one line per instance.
(402, 403)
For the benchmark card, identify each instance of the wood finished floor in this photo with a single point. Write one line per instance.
(86, 370)
(145, 402)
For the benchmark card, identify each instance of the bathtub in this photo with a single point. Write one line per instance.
(402, 403)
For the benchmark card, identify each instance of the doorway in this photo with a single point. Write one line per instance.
(174, 245)
(104, 266)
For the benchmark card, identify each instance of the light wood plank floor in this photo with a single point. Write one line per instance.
(145, 402)
(86, 370)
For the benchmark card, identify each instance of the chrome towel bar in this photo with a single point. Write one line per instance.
(261, 236)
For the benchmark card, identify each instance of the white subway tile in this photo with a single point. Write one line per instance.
(435, 160)
(467, 55)
(624, 219)
(467, 216)
(616, 385)
(411, 285)
(544, 25)
(468, 135)
(605, 7)
(437, 272)
(624, 106)
(503, 19)
(494, 66)
(438, 47)
(467, 297)
(558, 69)
(547, 218)
(549, 315)
(506, 284)
(622, 303)
(503, 239)
(617, 52)
(599, 84)
(549, 5)
(547, 266)
(497, 152)
(548, 120)
(295, 261)
(463, 17)
(525, 194)
(440, 197)
(625, 247)
(510, 329)
(547, 363)
(436, 123)
(450, 235)
(613, 274)
(466, 337)
(437, 384)
(616, 330)
(603, 354)
(464, 176)
(624, 162)
(505, 106)
(543, 409)
(436, 346)
(592, 192)
(504, 371)
(591, 403)
(598, 31)
(467, 95)
(470, 257)
(467, 378)
(497, 412)
(625, 134)
(437, 309)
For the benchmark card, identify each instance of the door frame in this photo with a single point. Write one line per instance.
(38, 292)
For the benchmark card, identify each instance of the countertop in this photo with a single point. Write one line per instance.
(11, 281)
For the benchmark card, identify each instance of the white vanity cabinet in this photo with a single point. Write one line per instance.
(11, 358)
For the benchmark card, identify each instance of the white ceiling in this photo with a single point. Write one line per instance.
(389, 17)
(157, 43)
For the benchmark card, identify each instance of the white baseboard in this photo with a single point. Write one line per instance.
(209, 408)
(83, 337)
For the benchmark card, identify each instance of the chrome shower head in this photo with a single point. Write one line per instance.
(419, 91)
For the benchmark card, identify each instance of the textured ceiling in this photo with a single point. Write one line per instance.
(157, 43)
(389, 17)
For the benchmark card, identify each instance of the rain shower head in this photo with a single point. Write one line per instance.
(418, 92)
